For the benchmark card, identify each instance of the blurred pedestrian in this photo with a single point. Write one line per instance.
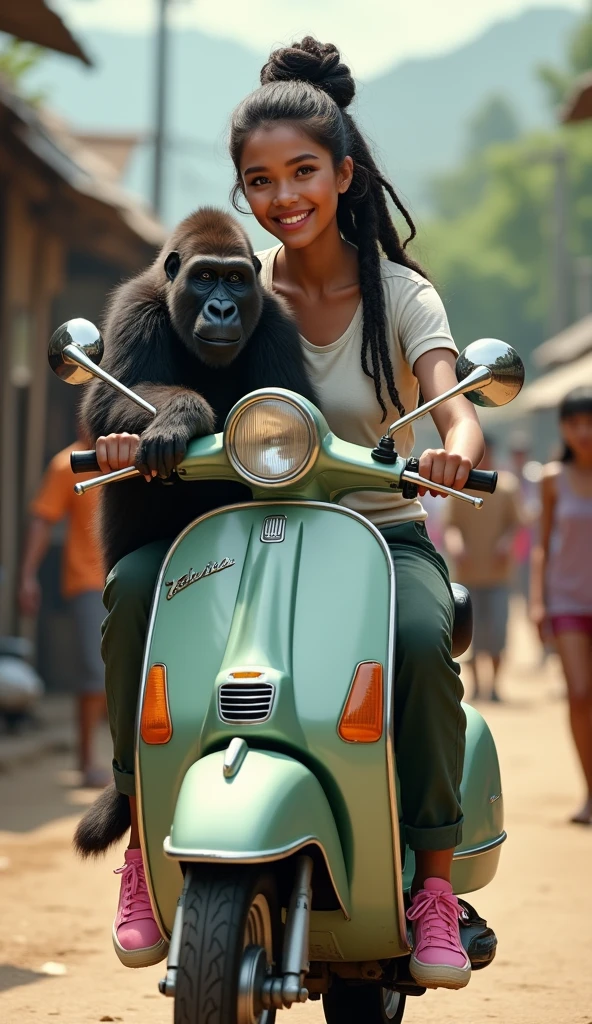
(83, 580)
(480, 545)
(561, 587)
(528, 475)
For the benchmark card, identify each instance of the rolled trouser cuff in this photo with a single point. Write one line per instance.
(446, 837)
(125, 782)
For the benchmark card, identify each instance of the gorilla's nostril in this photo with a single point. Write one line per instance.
(221, 310)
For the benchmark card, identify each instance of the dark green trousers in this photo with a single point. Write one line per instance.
(430, 722)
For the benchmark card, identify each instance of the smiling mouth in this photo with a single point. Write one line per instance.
(291, 220)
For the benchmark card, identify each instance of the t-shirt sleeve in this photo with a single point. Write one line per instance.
(52, 501)
(422, 324)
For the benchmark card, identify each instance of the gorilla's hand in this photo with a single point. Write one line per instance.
(163, 444)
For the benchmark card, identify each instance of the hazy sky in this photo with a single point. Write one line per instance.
(372, 34)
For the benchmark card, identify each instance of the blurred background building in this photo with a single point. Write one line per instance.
(68, 234)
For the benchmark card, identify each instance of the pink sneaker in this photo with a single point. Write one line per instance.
(136, 936)
(439, 959)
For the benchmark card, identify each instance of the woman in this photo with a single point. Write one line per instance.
(374, 333)
(561, 585)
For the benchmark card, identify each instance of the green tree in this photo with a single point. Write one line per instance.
(560, 81)
(493, 123)
(490, 245)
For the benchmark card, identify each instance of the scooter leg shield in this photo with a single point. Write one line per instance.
(268, 810)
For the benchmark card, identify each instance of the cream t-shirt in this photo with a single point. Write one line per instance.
(416, 323)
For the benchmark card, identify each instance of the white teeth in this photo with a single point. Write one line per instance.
(293, 220)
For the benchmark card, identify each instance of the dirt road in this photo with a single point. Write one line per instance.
(57, 911)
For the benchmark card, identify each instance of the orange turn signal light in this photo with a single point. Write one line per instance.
(155, 723)
(245, 675)
(361, 721)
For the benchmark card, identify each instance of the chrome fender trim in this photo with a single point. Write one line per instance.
(476, 851)
(253, 857)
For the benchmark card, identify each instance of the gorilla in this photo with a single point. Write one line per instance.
(191, 334)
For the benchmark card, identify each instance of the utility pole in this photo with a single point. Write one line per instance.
(583, 286)
(160, 106)
(559, 285)
(559, 314)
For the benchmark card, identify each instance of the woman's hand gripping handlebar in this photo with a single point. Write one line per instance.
(477, 480)
(114, 457)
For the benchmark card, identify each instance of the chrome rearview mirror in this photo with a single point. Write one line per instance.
(74, 351)
(505, 366)
(489, 373)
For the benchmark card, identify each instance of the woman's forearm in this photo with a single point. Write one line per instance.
(465, 438)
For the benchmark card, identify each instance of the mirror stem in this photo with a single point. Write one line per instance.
(477, 378)
(73, 354)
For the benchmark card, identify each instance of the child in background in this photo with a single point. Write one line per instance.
(561, 580)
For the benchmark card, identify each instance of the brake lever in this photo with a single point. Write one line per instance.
(107, 478)
(421, 481)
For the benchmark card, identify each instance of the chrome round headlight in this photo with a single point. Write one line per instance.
(272, 439)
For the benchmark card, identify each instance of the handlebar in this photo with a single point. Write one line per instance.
(84, 462)
(481, 480)
(478, 479)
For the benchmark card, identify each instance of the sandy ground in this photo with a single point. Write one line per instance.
(57, 911)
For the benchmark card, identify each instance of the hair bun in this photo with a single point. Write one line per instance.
(314, 62)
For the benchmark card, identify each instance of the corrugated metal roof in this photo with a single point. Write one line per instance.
(566, 346)
(32, 21)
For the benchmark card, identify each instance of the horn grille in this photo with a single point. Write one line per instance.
(245, 703)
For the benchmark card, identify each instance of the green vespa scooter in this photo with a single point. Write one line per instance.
(267, 782)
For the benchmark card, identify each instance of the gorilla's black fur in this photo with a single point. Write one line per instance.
(192, 341)
(192, 334)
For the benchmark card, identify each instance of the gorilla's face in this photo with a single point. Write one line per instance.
(215, 303)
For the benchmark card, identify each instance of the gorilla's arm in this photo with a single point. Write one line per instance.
(275, 355)
(144, 353)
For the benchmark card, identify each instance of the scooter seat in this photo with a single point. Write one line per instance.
(462, 630)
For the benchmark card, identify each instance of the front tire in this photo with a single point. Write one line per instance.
(228, 911)
(362, 1004)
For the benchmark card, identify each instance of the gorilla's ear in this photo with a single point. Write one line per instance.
(171, 265)
(257, 264)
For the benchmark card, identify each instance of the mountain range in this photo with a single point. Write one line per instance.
(416, 112)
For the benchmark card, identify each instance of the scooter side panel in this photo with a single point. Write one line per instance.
(477, 857)
(307, 611)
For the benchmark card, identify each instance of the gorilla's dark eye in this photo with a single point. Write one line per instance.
(205, 275)
(235, 278)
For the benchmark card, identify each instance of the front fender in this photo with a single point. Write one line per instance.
(271, 808)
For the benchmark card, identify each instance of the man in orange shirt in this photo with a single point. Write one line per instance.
(83, 580)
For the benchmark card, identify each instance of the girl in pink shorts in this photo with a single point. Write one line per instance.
(561, 585)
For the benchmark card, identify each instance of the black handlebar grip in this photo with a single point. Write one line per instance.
(84, 462)
(482, 480)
